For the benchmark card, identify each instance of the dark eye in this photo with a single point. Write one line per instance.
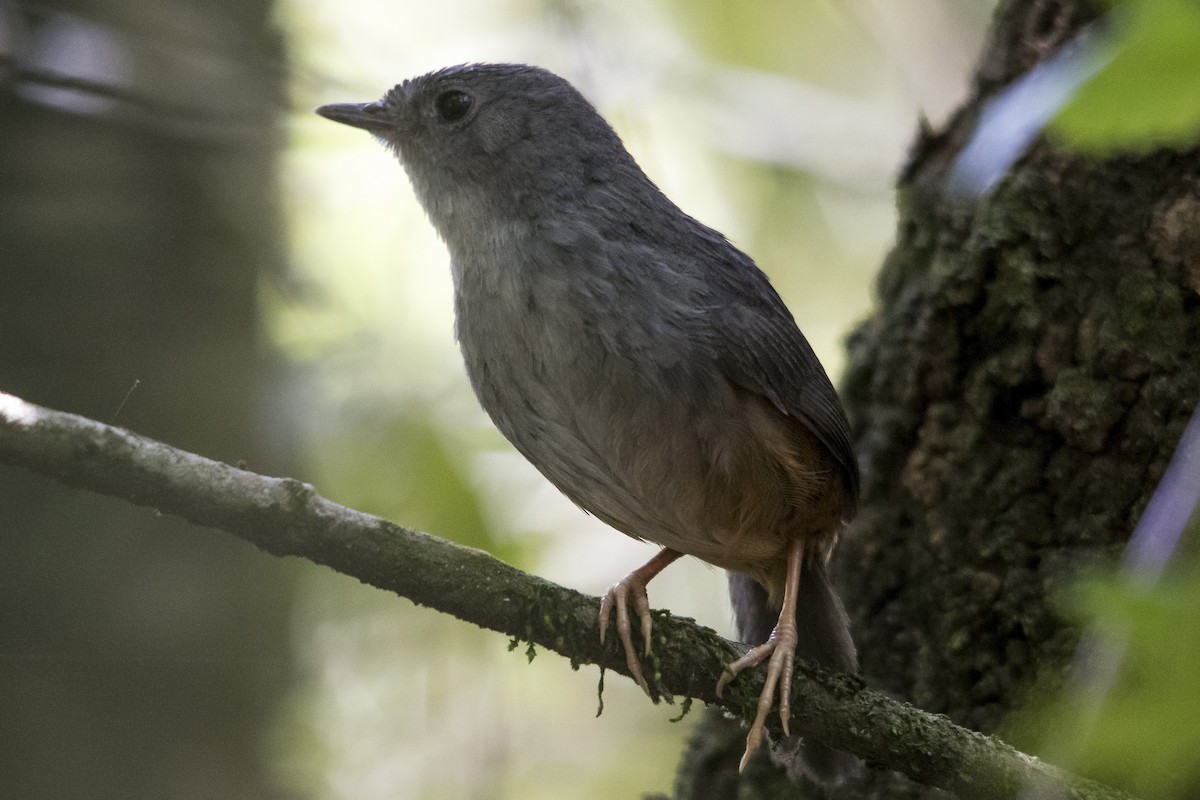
(453, 105)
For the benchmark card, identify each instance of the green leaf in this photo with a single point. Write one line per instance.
(1148, 95)
(1137, 732)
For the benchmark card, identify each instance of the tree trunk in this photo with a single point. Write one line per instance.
(1033, 360)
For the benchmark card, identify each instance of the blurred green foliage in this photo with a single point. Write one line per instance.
(780, 36)
(1137, 732)
(399, 466)
(1148, 94)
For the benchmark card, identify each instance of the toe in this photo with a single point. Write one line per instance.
(625, 633)
(617, 599)
(752, 658)
(785, 689)
(606, 606)
(641, 604)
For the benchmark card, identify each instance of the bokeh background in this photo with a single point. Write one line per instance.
(186, 250)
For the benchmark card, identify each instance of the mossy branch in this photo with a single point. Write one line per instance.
(288, 518)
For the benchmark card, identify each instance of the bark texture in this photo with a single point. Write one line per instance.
(1033, 360)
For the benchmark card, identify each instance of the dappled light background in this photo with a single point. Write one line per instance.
(781, 124)
(186, 250)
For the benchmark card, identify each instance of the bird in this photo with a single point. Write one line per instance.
(639, 360)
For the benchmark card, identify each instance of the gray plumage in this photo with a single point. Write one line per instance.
(641, 362)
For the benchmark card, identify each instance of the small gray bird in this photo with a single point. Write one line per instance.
(641, 362)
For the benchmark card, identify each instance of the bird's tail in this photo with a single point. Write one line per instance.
(823, 637)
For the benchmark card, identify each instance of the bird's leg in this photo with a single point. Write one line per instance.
(633, 586)
(781, 647)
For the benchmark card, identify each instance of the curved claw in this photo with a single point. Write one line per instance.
(618, 595)
(781, 648)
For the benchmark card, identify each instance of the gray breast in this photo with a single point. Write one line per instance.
(604, 414)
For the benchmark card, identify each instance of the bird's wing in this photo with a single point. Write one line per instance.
(760, 349)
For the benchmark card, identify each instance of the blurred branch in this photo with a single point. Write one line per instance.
(176, 119)
(12, 70)
(284, 517)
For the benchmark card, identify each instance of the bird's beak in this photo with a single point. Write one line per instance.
(371, 117)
